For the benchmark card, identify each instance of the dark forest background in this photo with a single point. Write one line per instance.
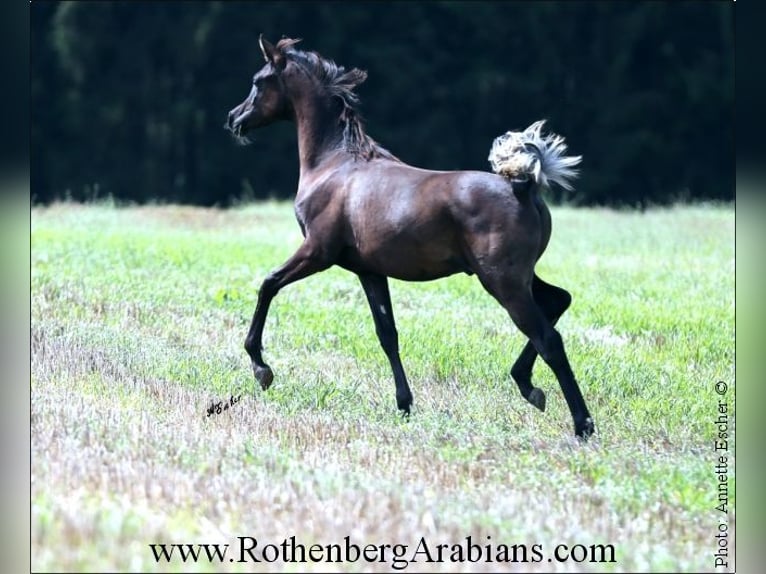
(128, 99)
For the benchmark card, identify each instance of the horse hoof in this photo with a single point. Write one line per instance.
(264, 376)
(585, 429)
(537, 398)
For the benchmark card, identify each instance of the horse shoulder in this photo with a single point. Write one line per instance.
(320, 205)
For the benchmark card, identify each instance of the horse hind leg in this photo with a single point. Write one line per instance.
(553, 301)
(516, 297)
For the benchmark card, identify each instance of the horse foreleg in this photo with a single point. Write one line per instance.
(306, 261)
(379, 298)
(553, 301)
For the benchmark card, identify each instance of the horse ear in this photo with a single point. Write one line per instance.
(271, 54)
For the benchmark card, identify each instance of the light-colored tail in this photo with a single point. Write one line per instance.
(531, 154)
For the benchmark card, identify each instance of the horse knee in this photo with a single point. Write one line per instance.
(268, 287)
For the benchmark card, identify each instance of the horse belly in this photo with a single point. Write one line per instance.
(405, 231)
(412, 256)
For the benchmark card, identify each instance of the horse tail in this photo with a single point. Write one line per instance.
(529, 154)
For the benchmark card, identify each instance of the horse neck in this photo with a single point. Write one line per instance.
(319, 130)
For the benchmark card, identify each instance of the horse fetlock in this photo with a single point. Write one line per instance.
(250, 345)
(522, 374)
(263, 375)
(404, 402)
(536, 398)
(585, 428)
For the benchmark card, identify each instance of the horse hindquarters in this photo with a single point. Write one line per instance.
(503, 246)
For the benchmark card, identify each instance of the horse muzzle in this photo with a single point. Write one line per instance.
(237, 118)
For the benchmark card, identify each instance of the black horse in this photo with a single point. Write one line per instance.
(363, 209)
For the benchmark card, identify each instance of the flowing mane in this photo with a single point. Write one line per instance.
(340, 83)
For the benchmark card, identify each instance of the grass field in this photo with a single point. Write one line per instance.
(138, 322)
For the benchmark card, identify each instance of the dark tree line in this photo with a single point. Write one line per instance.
(128, 99)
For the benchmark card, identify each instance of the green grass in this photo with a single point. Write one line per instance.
(138, 321)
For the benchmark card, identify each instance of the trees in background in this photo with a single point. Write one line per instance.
(129, 98)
